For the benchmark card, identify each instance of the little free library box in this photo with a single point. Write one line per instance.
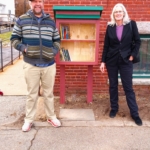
(79, 30)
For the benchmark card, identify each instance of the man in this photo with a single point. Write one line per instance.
(36, 36)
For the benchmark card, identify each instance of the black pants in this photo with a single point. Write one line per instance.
(126, 70)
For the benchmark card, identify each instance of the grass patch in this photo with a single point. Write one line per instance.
(5, 36)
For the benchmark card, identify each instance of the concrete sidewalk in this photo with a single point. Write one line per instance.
(76, 138)
(107, 134)
(12, 80)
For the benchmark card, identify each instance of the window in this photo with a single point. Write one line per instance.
(142, 69)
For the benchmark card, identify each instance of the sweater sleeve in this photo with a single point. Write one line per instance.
(17, 36)
(56, 41)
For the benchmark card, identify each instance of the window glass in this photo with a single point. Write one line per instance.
(142, 69)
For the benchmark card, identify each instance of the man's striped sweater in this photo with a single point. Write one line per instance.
(40, 39)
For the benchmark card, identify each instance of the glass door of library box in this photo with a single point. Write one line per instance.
(79, 41)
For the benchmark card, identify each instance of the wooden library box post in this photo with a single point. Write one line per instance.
(79, 30)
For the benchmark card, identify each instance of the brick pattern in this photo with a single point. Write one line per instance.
(76, 76)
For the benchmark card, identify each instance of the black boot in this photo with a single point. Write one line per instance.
(113, 113)
(137, 120)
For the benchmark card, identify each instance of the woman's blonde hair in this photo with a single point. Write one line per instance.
(126, 18)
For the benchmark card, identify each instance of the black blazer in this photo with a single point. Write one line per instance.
(113, 47)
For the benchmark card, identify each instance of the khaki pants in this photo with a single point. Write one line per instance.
(34, 76)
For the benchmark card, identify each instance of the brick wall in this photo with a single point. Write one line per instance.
(76, 76)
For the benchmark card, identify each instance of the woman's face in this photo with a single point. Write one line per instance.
(118, 14)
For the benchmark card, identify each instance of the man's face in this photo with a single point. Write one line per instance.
(37, 7)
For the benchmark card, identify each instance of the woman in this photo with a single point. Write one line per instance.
(118, 56)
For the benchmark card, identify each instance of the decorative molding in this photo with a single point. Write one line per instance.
(143, 27)
(135, 81)
(138, 81)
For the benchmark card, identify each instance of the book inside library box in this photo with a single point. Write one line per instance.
(77, 31)
(78, 51)
(78, 42)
